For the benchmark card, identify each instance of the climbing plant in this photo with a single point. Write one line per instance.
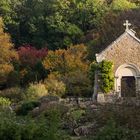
(104, 70)
(92, 70)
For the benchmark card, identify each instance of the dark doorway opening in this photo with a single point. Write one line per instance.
(128, 86)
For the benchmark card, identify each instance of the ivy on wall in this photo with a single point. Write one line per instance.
(104, 70)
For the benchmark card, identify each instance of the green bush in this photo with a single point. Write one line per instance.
(78, 84)
(36, 91)
(44, 128)
(113, 132)
(13, 128)
(13, 79)
(106, 76)
(92, 69)
(4, 102)
(26, 107)
(77, 114)
(104, 70)
(54, 120)
(9, 128)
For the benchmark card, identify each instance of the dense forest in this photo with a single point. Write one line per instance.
(37, 27)
(60, 23)
(47, 54)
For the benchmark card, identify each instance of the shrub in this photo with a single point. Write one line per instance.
(106, 77)
(77, 114)
(78, 84)
(4, 102)
(14, 94)
(55, 87)
(9, 128)
(44, 128)
(26, 107)
(104, 70)
(113, 132)
(54, 128)
(13, 79)
(36, 91)
(13, 128)
(92, 70)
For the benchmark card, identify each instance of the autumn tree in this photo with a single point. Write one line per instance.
(71, 66)
(7, 53)
(30, 63)
(68, 60)
(29, 55)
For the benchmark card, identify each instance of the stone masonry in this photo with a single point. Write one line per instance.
(124, 50)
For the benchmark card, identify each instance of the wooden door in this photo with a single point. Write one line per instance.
(128, 86)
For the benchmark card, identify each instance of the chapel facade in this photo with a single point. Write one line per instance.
(124, 52)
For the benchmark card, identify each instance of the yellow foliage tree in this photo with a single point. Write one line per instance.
(7, 53)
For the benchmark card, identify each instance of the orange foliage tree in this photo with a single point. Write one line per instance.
(72, 67)
(67, 60)
(7, 53)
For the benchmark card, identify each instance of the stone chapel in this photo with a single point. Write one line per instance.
(124, 52)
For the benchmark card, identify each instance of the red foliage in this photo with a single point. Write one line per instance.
(29, 55)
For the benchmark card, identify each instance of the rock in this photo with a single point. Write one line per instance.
(93, 106)
(35, 112)
(100, 98)
(47, 99)
(85, 130)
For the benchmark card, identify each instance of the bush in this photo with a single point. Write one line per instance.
(113, 132)
(14, 94)
(55, 87)
(9, 128)
(4, 102)
(78, 84)
(36, 91)
(105, 74)
(26, 107)
(13, 79)
(44, 128)
(13, 128)
(77, 114)
(54, 119)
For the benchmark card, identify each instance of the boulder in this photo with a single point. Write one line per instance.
(85, 130)
(47, 99)
(101, 98)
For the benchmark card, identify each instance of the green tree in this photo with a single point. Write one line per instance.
(123, 5)
(9, 13)
(51, 23)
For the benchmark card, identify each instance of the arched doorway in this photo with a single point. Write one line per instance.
(128, 86)
(126, 80)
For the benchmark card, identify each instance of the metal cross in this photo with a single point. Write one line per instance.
(127, 24)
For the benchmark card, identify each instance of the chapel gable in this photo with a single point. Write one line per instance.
(126, 49)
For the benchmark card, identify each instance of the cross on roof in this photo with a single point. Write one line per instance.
(127, 24)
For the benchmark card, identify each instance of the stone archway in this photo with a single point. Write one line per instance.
(126, 80)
